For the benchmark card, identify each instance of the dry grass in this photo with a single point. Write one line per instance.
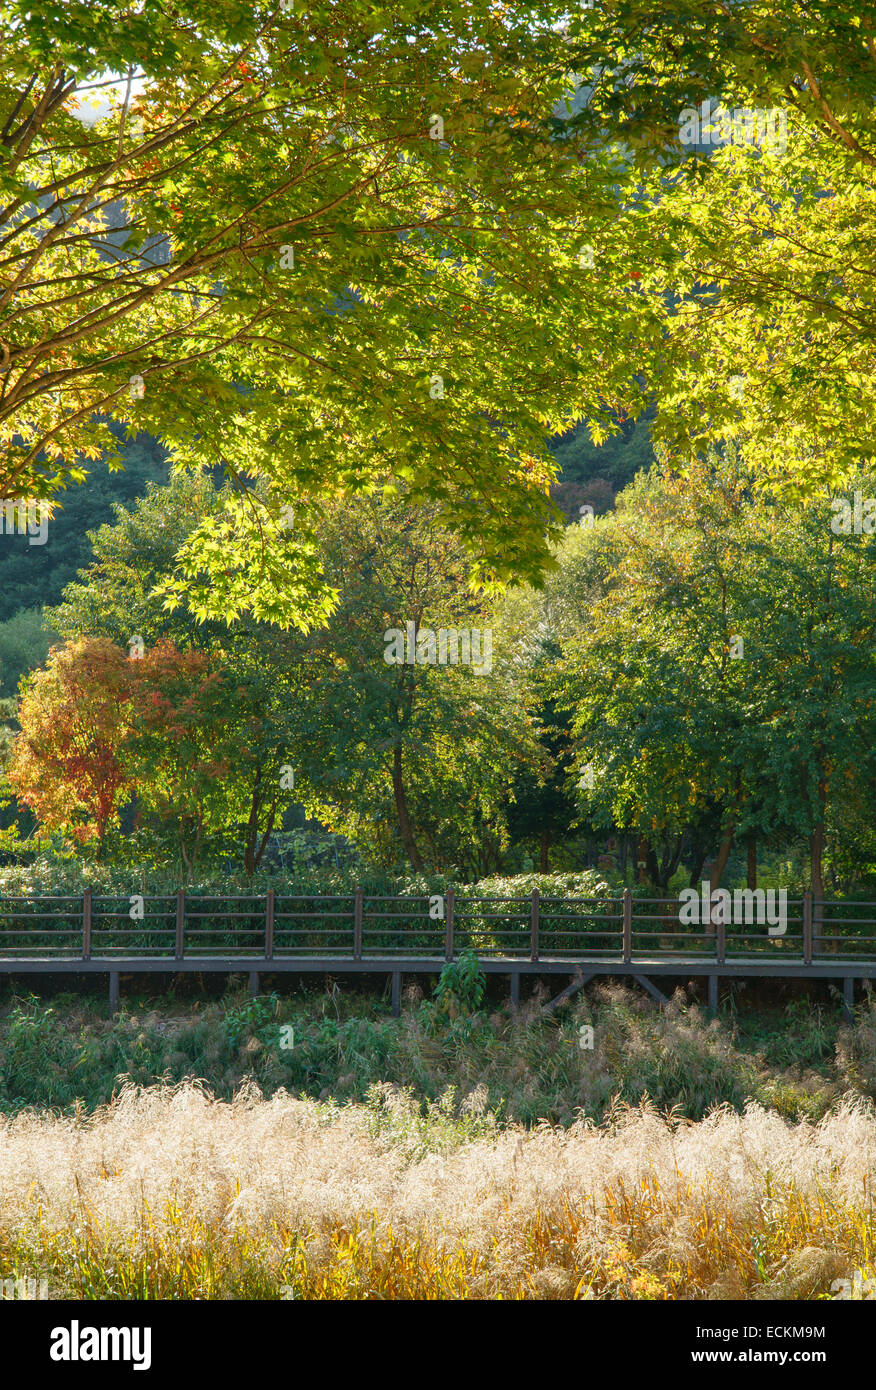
(170, 1193)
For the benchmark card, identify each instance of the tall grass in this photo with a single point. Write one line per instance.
(798, 1062)
(171, 1193)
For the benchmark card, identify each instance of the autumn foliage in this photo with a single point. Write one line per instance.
(98, 727)
(66, 762)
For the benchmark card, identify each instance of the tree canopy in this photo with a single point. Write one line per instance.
(759, 248)
(334, 247)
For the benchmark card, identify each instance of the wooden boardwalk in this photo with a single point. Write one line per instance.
(621, 937)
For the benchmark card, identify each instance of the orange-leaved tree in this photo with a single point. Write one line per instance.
(178, 743)
(68, 763)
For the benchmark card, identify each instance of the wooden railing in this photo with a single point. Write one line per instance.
(360, 926)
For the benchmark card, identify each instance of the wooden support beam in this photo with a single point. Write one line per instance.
(515, 990)
(450, 908)
(652, 989)
(357, 924)
(114, 993)
(578, 983)
(713, 990)
(269, 924)
(849, 999)
(253, 984)
(180, 923)
(396, 994)
(86, 924)
(807, 928)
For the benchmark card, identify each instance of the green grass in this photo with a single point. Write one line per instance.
(65, 1054)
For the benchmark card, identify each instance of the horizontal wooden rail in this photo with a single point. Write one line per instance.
(621, 929)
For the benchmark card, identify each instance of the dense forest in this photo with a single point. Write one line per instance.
(36, 579)
(656, 710)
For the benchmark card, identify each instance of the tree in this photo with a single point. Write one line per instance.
(115, 598)
(115, 595)
(542, 806)
(416, 755)
(646, 682)
(723, 681)
(758, 252)
(648, 65)
(334, 247)
(188, 750)
(415, 760)
(67, 761)
(196, 749)
(775, 332)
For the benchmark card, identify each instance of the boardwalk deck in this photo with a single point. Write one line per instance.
(622, 937)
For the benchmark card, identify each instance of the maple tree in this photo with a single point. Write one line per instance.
(193, 748)
(334, 246)
(67, 762)
(759, 250)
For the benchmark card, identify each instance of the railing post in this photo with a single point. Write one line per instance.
(86, 924)
(628, 926)
(534, 930)
(448, 924)
(269, 925)
(817, 924)
(180, 923)
(357, 924)
(807, 927)
(721, 939)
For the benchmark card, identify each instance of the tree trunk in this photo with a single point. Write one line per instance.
(254, 848)
(653, 867)
(720, 863)
(543, 856)
(252, 828)
(816, 860)
(401, 808)
(669, 867)
(716, 870)
(642, 860)
(182, 849)
(696, 872)
(190, 860)
(267, 835)
(752, 862)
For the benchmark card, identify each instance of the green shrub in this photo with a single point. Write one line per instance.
(461, 986)
(257, 1018)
